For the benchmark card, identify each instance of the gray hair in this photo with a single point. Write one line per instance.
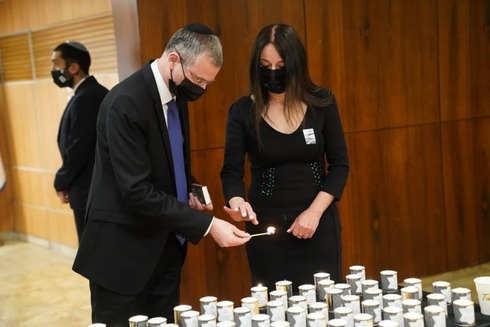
(190, 45)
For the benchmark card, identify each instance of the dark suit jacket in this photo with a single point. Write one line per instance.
(132, 207)
(76, 142)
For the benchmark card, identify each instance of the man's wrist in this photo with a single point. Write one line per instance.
(210, 225)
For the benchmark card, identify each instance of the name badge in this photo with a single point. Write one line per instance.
(309, 134)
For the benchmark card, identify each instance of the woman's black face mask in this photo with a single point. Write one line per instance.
(273, 80)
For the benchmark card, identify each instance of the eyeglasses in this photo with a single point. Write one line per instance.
(197, 79)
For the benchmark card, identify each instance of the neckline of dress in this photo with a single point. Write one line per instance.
(293, 132)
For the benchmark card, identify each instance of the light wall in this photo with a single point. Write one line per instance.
(30, 112)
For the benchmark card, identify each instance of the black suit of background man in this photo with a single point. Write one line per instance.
(76, 136)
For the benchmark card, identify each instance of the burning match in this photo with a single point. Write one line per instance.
(270, 230)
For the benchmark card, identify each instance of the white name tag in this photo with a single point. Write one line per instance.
(309, 134)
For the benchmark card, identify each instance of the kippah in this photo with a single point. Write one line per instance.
(77, 45)
(199, 28)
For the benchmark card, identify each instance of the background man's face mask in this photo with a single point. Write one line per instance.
(62, 77)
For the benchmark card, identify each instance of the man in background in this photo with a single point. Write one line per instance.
(76, 135)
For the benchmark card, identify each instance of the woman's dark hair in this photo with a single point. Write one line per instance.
(299, 87)
(72, 51)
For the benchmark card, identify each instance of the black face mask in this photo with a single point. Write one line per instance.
(273, 80)
(186, 90)
(62, 78)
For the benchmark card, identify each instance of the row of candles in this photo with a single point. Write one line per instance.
(359, 302)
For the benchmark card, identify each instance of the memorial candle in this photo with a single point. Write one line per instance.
(260, 293)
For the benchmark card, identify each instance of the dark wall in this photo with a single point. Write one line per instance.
(412, 81)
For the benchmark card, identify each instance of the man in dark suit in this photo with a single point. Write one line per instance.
(76, 136)
(132, 248)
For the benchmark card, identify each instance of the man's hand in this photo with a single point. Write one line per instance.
(63, 196)
(226, 234)
(195, 204)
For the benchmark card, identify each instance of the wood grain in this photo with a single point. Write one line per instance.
(31, 14)
(464, 59)
(379, 57)
(382, 60)
(466, 158)
(209, 269)
(394, 218)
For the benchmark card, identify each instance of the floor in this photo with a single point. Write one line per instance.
(38, 287)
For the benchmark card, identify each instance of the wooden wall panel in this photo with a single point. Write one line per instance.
(466, 158)
(108, 80)
(393, 217)
(379, 57)
(32, 221)
(237, 23)
(97, 34)
(21, 125)
(29, 14)
(6, 211)
(222, 272)
(62, 229)
(384, 60)
(6, 216)
(50, 103)
(28, 186)
(15, 58)
(240, 22)
(464, 58)
(127, 34)
(53, 203)
(325, 45)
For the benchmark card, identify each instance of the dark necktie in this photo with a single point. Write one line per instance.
(177, 145)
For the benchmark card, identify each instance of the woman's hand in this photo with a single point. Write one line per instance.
(305, 225)
(240, 210)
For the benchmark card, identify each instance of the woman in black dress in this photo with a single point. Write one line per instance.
(291, 133)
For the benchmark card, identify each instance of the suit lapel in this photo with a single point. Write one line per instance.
(158, 110)
(89, 80)
(64, 122)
